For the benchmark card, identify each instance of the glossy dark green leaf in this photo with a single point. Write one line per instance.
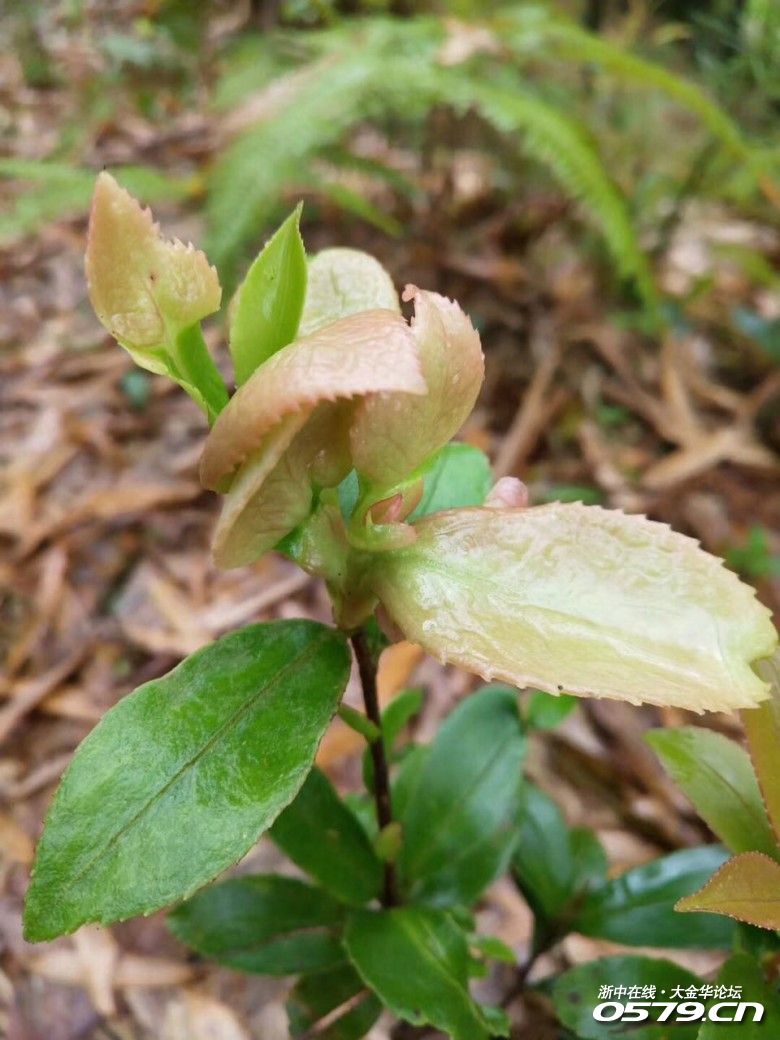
(744, 972)
(459, 820)
(267, 307)
(458, 475)
(262, 923)
(637, 908)
(321, 834)
(179, 779)
(717, 775)
(416, 960)
(542, 862)
(553, 864)
(316, 996)
(575, 994)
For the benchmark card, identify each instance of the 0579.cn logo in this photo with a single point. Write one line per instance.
(682, 1004)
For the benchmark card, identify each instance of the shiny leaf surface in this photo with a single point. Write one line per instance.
(322, 836)
(268, 304)
(637, 908)
(177, 781)
(263, 924)
(416, 960)
(459, 821)
(546, 597)
(459, 475)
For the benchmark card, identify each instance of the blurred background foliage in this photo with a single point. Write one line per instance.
(628, 110)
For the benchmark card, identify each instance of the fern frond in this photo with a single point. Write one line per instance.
(557, 142)
(575, 44)
(54, 191)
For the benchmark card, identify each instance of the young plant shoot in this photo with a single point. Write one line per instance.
(335, 449)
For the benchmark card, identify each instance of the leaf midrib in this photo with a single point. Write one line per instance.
(191, 763)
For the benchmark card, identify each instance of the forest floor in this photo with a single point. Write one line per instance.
(106, 579)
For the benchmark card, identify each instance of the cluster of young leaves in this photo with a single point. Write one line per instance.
(335, 449)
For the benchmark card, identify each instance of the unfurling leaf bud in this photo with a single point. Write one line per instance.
(151, 293)
(393, 436)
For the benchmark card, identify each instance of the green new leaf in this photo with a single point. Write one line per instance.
(458, 475)
(459, 820)
(637, 908)
(416, 960)
(717, 775)
(576, 993)
(268, 304)
(327, 993)
(264, 924)
(319, 833)
(179, 779)
(744, 972)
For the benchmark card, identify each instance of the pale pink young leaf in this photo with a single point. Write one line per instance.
(582, 599)
(392, 436)
(746, 887)
(143, 288)
(272, 491)
(361, 354)
(342, 282)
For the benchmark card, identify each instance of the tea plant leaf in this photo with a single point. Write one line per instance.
(717, 775)
(323, 837)
(343, 282)
(416, 960)
(392, 435)
(746, 888)
(268, 304)
(762, 725)
(542, 862)
(316, 996)
(459, 475)
(637, 908)
(542, 597)
(743, 972)
(363, 353)
(178, 780)
(575, 995)
(263, 924)
(151, 294)
(543, 711)
(459, 820)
